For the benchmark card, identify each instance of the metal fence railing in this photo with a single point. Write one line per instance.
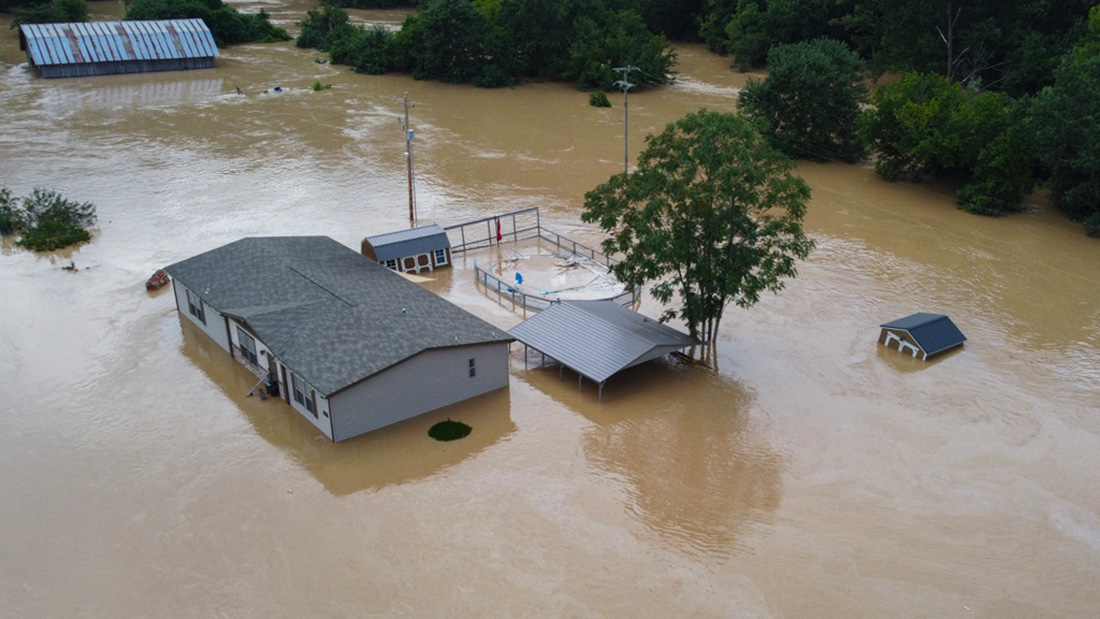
(520, 226)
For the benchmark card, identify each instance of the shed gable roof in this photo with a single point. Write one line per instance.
(411, 242)
(598, 338)
(330, 314)
(89, 42)
(933, 332)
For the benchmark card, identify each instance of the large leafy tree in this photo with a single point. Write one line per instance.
(810, 101)
(1066, 121)
(712, 214)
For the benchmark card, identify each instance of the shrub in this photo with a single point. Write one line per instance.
(46, 220)
(449, 430)
(598, 99)
(317, 85)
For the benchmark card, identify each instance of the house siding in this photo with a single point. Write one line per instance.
(215, 322)
(321, 421)
(425, 382)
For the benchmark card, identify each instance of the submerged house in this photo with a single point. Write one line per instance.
(101, 48)
(921, 334)
(598, 339)
(424, 248)
(346, 342)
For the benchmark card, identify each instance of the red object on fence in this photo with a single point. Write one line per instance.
(498, 231)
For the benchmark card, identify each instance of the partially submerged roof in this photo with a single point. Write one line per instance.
(89, 42)
(330, 314)
(933, 332)
(598, 338)
(411, 242)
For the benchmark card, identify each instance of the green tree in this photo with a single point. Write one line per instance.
(617, 39)
(810, 101)
(55, 12)
(712, 214)
(45, 220)
(1066, 121)
(227, 25)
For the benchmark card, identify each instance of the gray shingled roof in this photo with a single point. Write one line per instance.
(411, 242)
(598, 338)
(328, 313)
(933, 332)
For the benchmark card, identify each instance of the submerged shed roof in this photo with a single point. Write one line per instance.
(933, 332)
(598, 338)
(411, 242)
(330, 314)
(91, 42)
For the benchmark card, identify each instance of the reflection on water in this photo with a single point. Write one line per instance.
(678, 439)
(126, 93)
(396, 454)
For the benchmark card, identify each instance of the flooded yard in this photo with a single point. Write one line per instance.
(814, 474)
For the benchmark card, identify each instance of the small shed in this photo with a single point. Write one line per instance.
(425, 248)
(597, 339)
(101, 48)
(922, 334)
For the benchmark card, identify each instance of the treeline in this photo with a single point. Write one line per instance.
(992, 147)
(494, 43)
(227, 25)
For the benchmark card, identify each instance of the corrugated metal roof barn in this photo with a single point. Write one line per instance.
(100, 48)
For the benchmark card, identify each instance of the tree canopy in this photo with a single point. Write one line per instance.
(810, 101)
(491, 43)
(227, 24)
(712, 214)
(45, 220)
(1066, 121)
(51, 12)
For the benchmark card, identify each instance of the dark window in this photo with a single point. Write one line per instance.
(248, 346)
(441, 256)
(303, 394)
(473, 369)
(391, 264)
(194, 306)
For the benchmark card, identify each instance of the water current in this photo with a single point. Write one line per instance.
(814, 474)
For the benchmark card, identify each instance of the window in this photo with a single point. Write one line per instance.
(248, 346)
(194, 306)
(441, 256)
(391, 264)
(473, 369)
(303, 394)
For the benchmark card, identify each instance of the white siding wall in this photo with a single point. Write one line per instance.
(322, 419)
(215, 322)
(428, 381)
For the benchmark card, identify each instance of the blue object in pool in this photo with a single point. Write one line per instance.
(519, 278)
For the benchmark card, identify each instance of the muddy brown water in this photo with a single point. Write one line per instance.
(814, 475)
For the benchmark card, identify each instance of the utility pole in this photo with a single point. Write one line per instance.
(409, 158)
(625, 84)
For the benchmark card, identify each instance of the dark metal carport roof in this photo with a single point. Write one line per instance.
(597, 339)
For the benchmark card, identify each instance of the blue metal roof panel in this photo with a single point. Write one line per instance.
(933, 332)
(76, 43)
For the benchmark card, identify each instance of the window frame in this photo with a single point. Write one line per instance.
(303, 394)
(251, 353)
(472, 367)
(440, 257)
(194, 306)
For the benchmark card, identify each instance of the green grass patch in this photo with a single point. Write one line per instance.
(449, 430)
(598, 99)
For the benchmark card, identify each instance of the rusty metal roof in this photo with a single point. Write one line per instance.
(90, 42)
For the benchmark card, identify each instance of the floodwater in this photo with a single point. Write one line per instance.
(813, 475)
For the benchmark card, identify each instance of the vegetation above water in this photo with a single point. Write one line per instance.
(449, 430)
(228, 25)
(494, 43)
(712, 214)
(45, 220)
